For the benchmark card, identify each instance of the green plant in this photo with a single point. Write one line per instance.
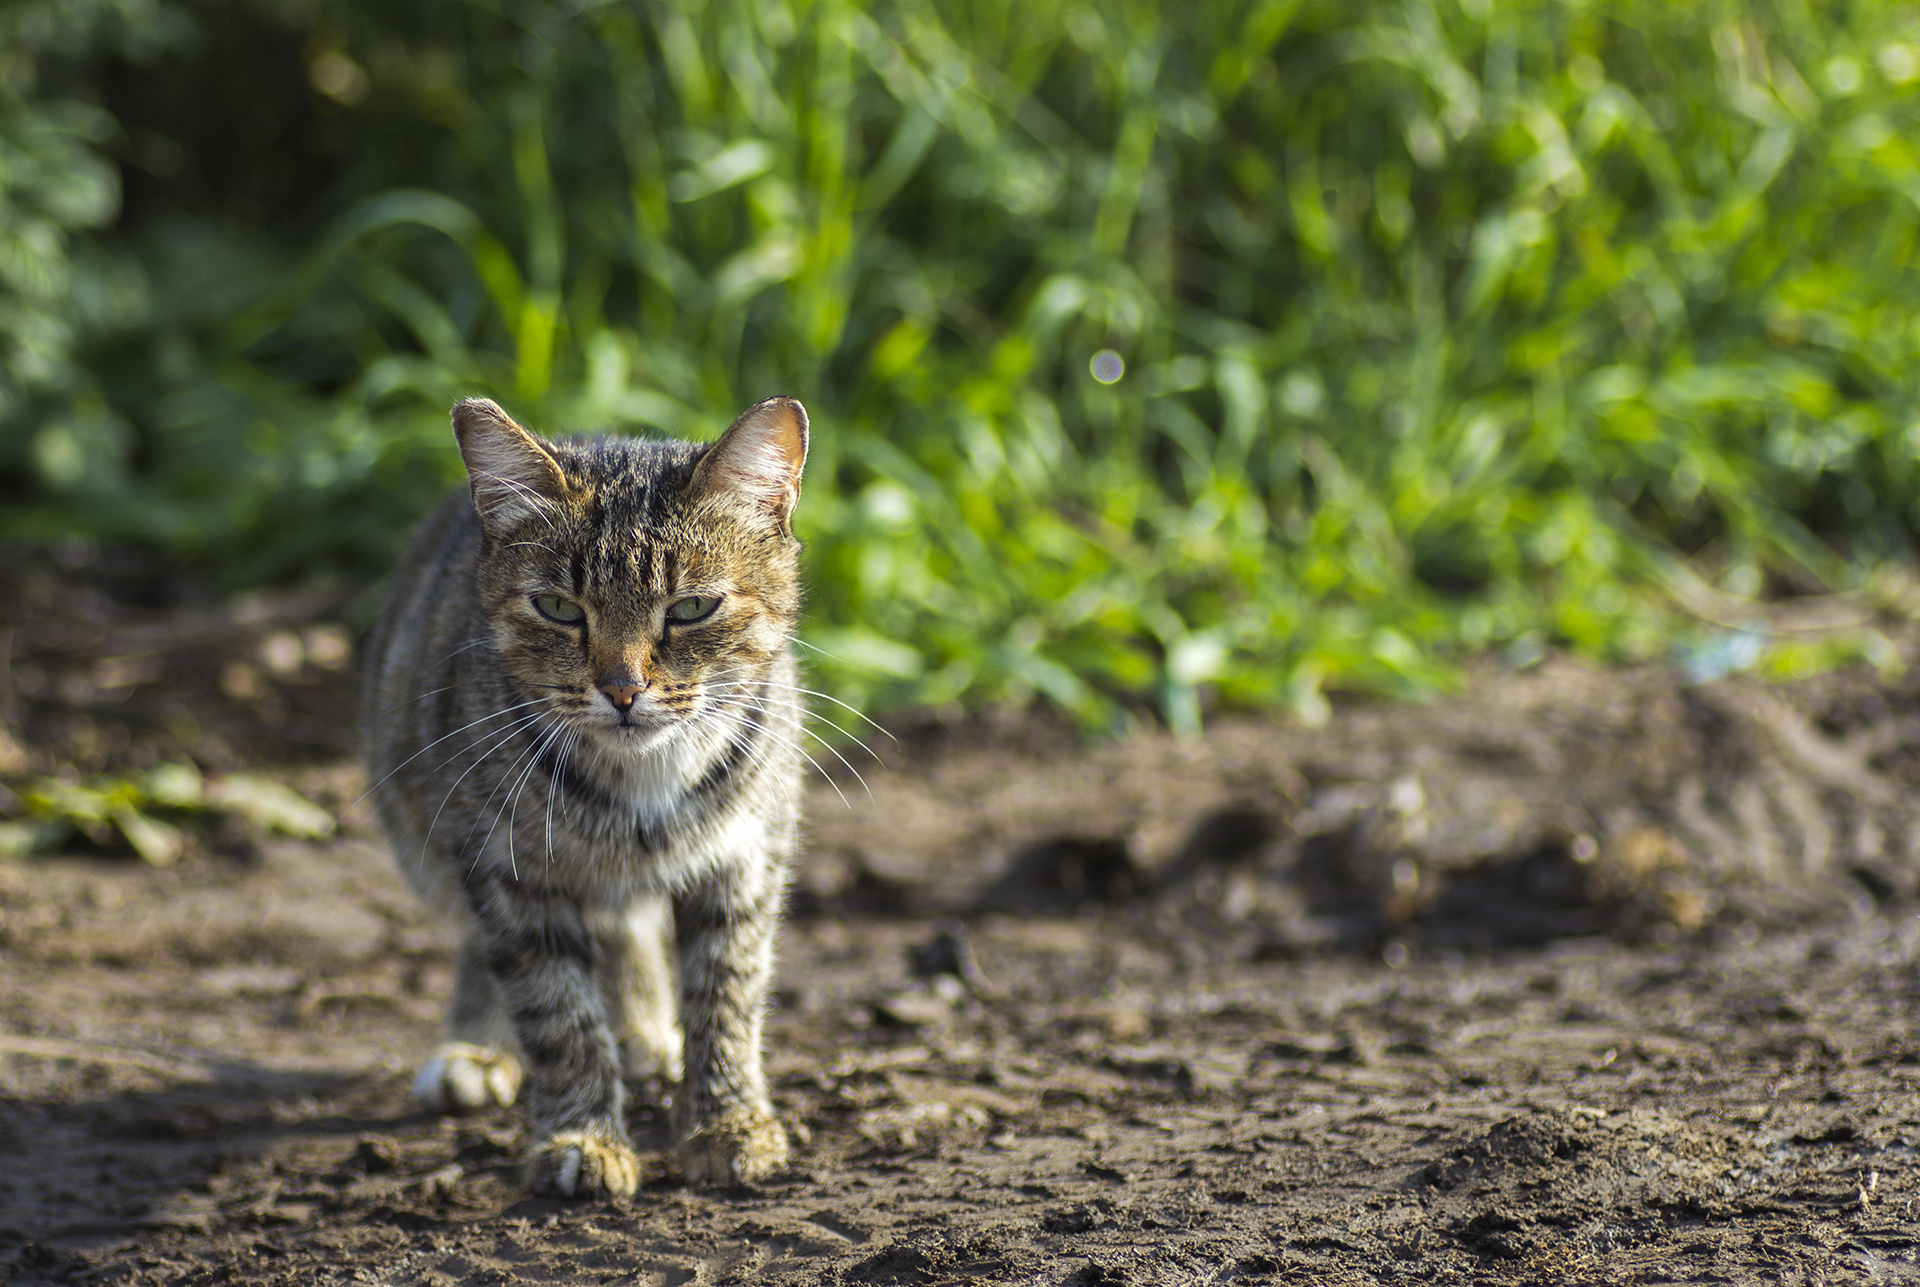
(1436, 327)
(145, 810)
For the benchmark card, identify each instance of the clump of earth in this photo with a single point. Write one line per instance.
(1576, 975)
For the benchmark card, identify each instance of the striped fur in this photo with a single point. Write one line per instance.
(595, 788)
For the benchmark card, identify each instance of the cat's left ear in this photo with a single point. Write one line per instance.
(759, 459)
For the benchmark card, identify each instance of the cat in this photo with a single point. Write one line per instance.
(582, 715)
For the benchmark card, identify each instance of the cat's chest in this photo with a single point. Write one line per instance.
(649, 789)
(670, 798)
(653, 798)
(657, 821)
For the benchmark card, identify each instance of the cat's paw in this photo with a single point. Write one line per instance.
(579, 1164)
(465, 1078)
(736, 1149)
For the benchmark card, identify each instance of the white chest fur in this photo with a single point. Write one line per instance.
(649, 785)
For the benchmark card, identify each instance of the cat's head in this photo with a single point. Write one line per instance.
(636, 587)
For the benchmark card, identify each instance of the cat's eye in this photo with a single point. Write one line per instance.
(692, 608)
(555, 608)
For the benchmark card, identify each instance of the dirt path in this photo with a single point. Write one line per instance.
(1580, 977)
(206, 1082)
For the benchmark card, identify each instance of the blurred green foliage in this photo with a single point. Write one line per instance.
(144, 811)
(1440, 325)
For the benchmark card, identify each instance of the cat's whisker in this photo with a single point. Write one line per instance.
(511, 805)
(743, 712)
(770, 682)
(854, 710)
(815, 715)
(835, 700)
(799, 750)
(813, 647)
(444, 688)
(759, 687)
(741, 704)
(499, 735)
(469, 644)
(421, 697)
(553, 780)
(761, 756)
(513, 797)
(480, 759)
(436, 741)
(481, 848)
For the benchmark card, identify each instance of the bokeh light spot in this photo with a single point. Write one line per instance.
(1107, 366)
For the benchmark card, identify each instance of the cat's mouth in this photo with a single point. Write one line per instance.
(637, 730)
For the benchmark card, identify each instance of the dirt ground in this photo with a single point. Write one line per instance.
(1577, 976)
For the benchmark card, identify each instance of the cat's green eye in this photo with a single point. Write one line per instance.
(555, 608)
(692, 608)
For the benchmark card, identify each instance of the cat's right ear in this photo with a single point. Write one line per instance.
(514, 477)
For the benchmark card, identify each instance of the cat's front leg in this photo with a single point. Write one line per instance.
(543, 956)
(722, 1116)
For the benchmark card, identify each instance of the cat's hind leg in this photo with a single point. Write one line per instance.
(475, 1068)
(642, 991)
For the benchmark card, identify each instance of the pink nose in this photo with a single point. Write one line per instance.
(621, 695)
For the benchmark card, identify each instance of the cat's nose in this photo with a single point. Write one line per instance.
(621, 687)
(621, 695)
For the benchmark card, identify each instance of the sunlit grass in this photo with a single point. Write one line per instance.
(1444, 327)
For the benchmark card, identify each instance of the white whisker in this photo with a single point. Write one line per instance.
(513, 797)
(744, 705)
(771, 682)
(421, 697)
(553, 780)
(482, 758)
(436, 741)
(814, 715)
(799, 750)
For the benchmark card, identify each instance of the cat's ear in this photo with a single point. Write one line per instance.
(758, 459)
(514, 477)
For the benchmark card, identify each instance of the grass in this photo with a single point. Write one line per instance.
(1161, 359)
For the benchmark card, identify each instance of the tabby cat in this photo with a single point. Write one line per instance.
(583, 717)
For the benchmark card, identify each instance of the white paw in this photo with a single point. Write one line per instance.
(464, 1078)
(652, 1053)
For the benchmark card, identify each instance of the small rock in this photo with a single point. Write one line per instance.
(912, 1010)
(948, 953)
(376, 1153)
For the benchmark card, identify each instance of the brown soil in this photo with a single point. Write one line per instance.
(1577, 977)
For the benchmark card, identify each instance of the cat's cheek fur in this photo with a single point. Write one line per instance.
(762, 634)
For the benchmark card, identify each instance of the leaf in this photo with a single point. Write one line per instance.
(271, 805)
(158, 843)
(176, 786)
